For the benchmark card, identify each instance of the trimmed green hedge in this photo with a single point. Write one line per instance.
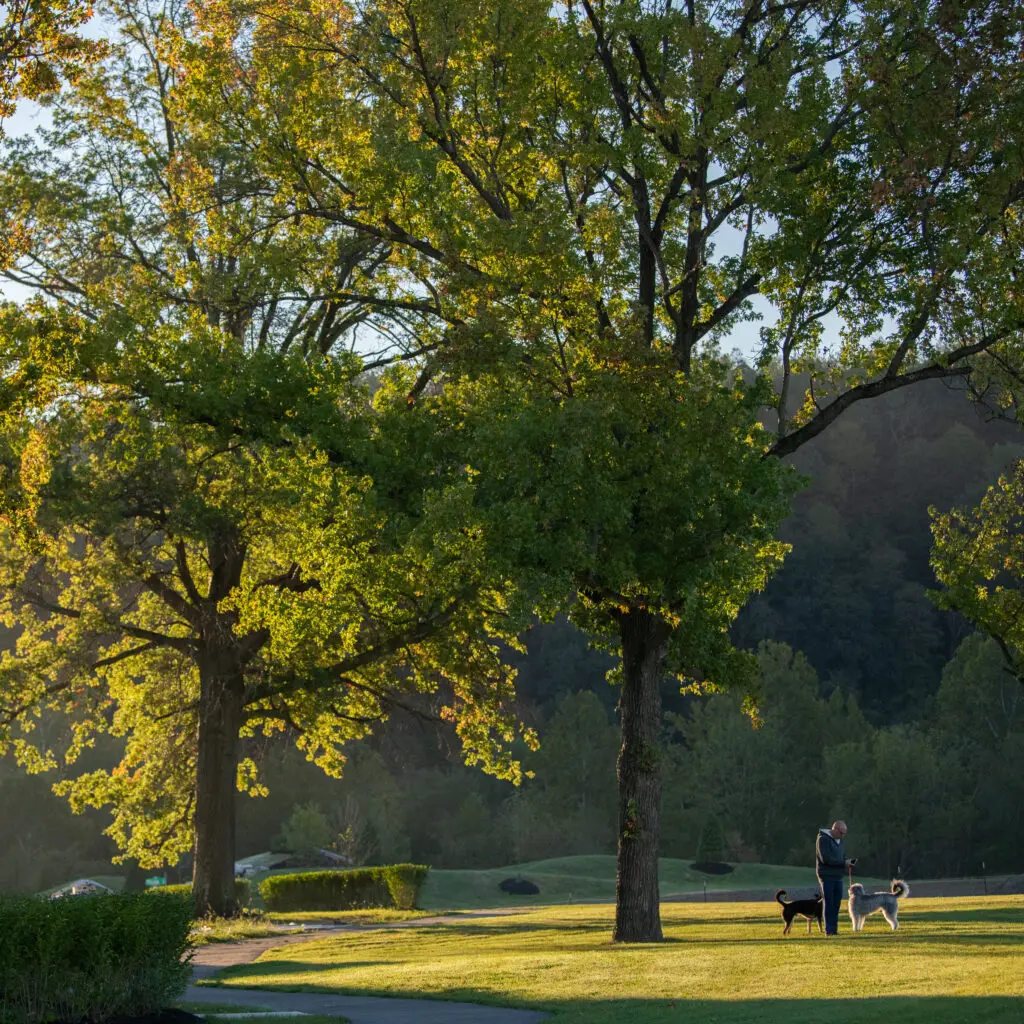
(87, 958)
(395, 885)
(243, 890)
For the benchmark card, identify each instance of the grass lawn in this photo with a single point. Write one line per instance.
(367, 916)
(588, 879)
(222, 929)
(953, 960)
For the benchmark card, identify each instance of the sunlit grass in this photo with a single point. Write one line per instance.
(221, 929)
(368, 916)
(953, 960)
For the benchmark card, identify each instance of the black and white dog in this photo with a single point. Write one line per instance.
(861, 904)
(810, 909)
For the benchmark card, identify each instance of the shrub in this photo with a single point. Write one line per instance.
(711, 844)
(87, 958)
(243, 890)
(396, 885)
(404, 882)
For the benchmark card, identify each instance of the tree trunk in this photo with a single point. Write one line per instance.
(220, 718)
(644, 647)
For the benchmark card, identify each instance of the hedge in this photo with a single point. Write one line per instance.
(89, 958)
(395, 885)
(243, 890)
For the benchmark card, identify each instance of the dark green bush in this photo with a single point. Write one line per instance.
(243, 890)
(395, 885)
(404, 882)
(87, 958)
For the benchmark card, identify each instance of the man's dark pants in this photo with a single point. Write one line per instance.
(832, 891)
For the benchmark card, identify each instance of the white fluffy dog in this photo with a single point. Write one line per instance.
(861, 904)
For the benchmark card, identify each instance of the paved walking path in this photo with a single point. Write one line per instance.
(359, 1009)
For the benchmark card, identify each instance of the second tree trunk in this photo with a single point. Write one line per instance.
(644, 647)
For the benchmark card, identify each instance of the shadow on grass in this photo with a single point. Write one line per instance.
(906, 936)
(506, 927)
(969, 938)
(867, 1010)
(265, 968)
(880, 1010)
(680, 933)
(997, 915)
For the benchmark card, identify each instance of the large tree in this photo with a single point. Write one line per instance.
(588, 196)
(184, 557)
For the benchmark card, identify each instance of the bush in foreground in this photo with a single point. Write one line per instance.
(88, 958)
(395, 885)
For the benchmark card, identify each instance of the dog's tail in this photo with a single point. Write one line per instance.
(900, 888)
(779, 895)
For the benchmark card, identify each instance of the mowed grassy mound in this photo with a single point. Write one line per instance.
(591, 879)
(953, 960)
(583, 879)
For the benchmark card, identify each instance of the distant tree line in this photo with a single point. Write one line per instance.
(940, 796)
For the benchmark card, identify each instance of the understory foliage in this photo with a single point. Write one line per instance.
(92, 958)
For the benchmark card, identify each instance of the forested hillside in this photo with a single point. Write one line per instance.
(876, 706)
(852, 593)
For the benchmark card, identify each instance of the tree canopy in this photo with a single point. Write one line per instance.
(174, 579)
(40, 45)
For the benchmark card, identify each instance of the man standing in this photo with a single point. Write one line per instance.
(831, 863)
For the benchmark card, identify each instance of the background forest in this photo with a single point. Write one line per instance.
(875, 705)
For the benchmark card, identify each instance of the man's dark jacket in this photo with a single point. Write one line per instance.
(830, 856)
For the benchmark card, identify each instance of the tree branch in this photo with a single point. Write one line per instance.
(872, 389)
